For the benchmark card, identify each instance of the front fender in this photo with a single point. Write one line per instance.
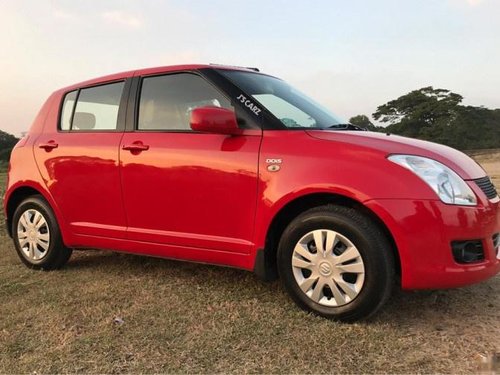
(358, 173)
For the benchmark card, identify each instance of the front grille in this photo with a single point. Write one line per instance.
(487, 187)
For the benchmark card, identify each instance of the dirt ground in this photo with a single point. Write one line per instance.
(110, 313)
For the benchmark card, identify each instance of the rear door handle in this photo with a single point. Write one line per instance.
(50, 145)
(136, 147)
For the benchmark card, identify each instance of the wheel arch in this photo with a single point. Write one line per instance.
(265, 263)
(16, 196)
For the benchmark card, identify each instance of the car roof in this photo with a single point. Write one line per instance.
(152, 71)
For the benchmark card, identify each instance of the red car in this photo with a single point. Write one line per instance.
(230, 166)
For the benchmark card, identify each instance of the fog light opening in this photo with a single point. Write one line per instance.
(465, 252)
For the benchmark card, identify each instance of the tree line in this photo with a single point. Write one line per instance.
(7, 142)
(437, 115)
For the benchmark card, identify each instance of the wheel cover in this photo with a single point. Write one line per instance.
(33, 235)
(328, 268)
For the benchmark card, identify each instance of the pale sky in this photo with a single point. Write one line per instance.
(349, 55)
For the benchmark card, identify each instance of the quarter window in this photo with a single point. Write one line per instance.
(167, 101)
(67, 110)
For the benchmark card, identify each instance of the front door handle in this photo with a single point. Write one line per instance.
(136, 147)
(50, 145)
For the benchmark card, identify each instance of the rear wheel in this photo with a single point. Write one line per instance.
(336, 262)
(37, 237)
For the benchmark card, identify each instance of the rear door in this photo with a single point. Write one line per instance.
(78, 159)
(182, 187)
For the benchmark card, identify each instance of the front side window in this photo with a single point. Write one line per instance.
(290, 106)
(166, 101)
(96, 108)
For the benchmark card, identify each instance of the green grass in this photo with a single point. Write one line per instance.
(190, 318)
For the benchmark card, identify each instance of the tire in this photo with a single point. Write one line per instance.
(349, 276)
(37, 237)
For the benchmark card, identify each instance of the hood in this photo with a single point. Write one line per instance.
(462, 164)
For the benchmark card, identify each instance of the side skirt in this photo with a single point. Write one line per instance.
(199, 255)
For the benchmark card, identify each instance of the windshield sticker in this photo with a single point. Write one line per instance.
(248, 103)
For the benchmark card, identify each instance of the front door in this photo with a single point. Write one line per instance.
(186, 188)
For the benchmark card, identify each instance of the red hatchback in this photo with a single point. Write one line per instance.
(230, 166)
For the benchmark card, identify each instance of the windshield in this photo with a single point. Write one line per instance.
(290, 106)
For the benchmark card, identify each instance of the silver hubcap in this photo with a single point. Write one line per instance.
(328, 268)
(33, 235)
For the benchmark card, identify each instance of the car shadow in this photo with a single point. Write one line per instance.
(111, 260)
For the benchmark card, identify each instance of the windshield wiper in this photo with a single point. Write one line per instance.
(346, 127)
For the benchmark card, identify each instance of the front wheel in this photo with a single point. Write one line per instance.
(37, 237)
(336, 262)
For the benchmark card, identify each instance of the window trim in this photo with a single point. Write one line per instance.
(122, 108)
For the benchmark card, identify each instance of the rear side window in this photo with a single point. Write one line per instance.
(167, 101)
(95, 108)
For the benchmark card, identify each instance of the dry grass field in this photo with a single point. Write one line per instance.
(490, 161)
(190, 318)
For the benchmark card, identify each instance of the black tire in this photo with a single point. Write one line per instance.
(373, 250)
(56, 254)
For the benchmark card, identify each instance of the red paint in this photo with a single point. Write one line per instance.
(214, 120)
(192, 189)
(210, 197)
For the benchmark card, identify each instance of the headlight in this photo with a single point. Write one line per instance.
(449, 186)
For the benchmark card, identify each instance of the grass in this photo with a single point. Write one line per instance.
(190, 318)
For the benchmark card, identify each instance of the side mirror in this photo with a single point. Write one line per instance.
(214, 120)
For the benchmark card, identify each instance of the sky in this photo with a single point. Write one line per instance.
(351, 56)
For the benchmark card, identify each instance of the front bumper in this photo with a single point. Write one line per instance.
(423, 231)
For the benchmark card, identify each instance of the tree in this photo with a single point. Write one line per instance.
(426, 105)
(7, 142)
(361, 120)
(419, 109)
(364, 122)
(437, 115)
